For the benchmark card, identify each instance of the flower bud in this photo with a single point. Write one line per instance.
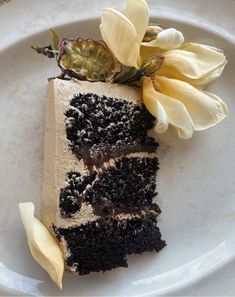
(151, 33)
(152, 65)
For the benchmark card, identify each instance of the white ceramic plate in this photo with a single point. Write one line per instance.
(196, 182)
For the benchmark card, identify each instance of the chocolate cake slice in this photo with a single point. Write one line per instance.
(99, 174)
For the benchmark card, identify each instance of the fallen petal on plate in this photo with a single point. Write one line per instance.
(194, 63)
(43, 246)
(167, 39)
(138, 13)
(205, 109)
(120, 36)
(174, 113)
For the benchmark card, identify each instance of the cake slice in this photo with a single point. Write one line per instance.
(100, 170)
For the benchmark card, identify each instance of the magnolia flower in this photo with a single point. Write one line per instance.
(124, 32)
(174, 93)
(43, 246)
(182, 105)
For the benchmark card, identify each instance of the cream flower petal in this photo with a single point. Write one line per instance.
(174, 113)
(120, 36)
(147, 52)
(138, 13)
(43, 247)
(154, 106)
(205, 109)
(195, 63)
(168, 39)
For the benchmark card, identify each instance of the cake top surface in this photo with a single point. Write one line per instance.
(73, 86)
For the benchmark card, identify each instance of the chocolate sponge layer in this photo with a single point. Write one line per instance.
(128, 186)
(104, 244)
(101, 127)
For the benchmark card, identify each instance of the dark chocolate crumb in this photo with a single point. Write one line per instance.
(95, 123)
(129, 186)
(71, 196)
(104, 244)
(101, 128)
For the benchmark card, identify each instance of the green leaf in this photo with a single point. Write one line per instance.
(54, 40)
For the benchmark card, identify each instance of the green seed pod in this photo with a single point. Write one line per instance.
(87, 59)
